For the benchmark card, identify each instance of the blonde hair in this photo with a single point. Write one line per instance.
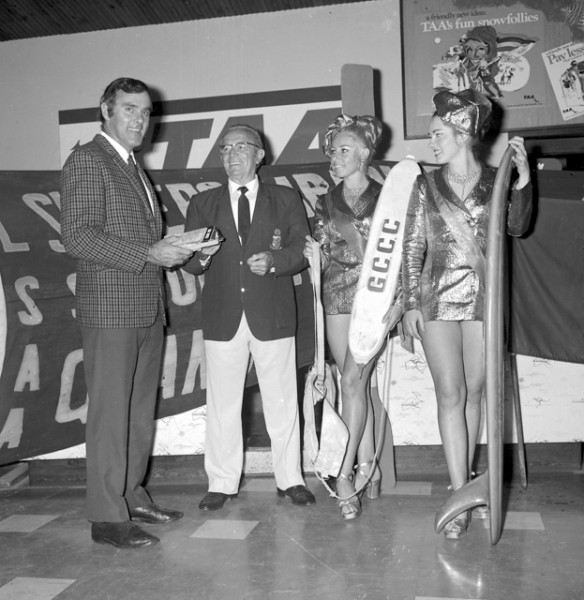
(367, 129)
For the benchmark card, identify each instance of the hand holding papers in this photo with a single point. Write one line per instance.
(196, 240)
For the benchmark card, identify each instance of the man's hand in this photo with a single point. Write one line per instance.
(168, 255)
(210, 250)
(260, 263)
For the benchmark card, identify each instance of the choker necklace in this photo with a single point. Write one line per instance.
(352, 195)
(463, 179)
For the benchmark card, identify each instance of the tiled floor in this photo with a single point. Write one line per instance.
(260, 547)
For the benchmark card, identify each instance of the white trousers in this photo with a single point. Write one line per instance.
(227, 366)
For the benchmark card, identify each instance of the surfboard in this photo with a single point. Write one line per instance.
(488, 487)
(381, 263)
(518, 420)
(495, 342)
(3, 326)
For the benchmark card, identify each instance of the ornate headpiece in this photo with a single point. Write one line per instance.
(466, 111)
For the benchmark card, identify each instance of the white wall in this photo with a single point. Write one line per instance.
(271, 51)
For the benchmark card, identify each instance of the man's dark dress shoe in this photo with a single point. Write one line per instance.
(122, 535)
(299, 494)
(214, 500)
(154, 514)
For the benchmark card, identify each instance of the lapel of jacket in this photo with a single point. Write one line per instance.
(129, 172)
(259, 212)
(151, 209)
(224, 213)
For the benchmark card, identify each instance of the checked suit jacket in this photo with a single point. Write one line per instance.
(107, 224)
(230, 287)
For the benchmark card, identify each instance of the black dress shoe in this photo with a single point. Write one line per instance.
(214, 500)
(299, 494)
(122, 535)
(154, 514)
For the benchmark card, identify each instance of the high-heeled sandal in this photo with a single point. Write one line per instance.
(481, 512)
(350, 507)
(455, 529)
(373, 487)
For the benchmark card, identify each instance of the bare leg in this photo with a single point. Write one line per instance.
(454, 352)
(443, 346)
(474, 375)
(367, 447)
(354, 402)
(353, 389)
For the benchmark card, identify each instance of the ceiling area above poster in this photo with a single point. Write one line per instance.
(22, 19)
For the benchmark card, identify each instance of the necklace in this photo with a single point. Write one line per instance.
(352, 195)
(463, 179)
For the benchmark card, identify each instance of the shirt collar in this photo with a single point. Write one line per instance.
(252, 186)
(119, 148)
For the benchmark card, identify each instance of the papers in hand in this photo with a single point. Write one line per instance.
(196, 239)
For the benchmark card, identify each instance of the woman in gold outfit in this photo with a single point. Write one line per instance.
(342, 224)
(444, 267)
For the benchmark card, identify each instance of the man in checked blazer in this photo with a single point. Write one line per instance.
(248, 308)
(112, 225)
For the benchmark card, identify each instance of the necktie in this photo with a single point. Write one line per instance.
(134, 167)
(243, 218)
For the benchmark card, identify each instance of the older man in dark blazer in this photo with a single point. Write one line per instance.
(248, 308)
(111, 223)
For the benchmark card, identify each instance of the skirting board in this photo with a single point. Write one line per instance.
(411, 462)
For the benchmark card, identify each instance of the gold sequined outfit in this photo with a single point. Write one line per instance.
(437, 277)
(343, 232)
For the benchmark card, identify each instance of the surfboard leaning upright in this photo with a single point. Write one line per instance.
(381, 263)
(487, 488)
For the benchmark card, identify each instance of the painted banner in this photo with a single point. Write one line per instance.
(43, 400)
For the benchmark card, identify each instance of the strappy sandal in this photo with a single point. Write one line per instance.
(372, 488)
(455, 529)
(350, 507)
(481, 512)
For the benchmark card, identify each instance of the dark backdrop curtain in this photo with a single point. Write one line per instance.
(547, 273)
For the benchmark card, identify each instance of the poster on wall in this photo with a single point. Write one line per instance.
(526, 56)
(565, 69)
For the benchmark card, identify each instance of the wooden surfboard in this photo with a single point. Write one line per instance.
(495, 342)
(488, 487)
(3, 326)
(381, 263)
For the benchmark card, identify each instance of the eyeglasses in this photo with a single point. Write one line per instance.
(239, 147)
